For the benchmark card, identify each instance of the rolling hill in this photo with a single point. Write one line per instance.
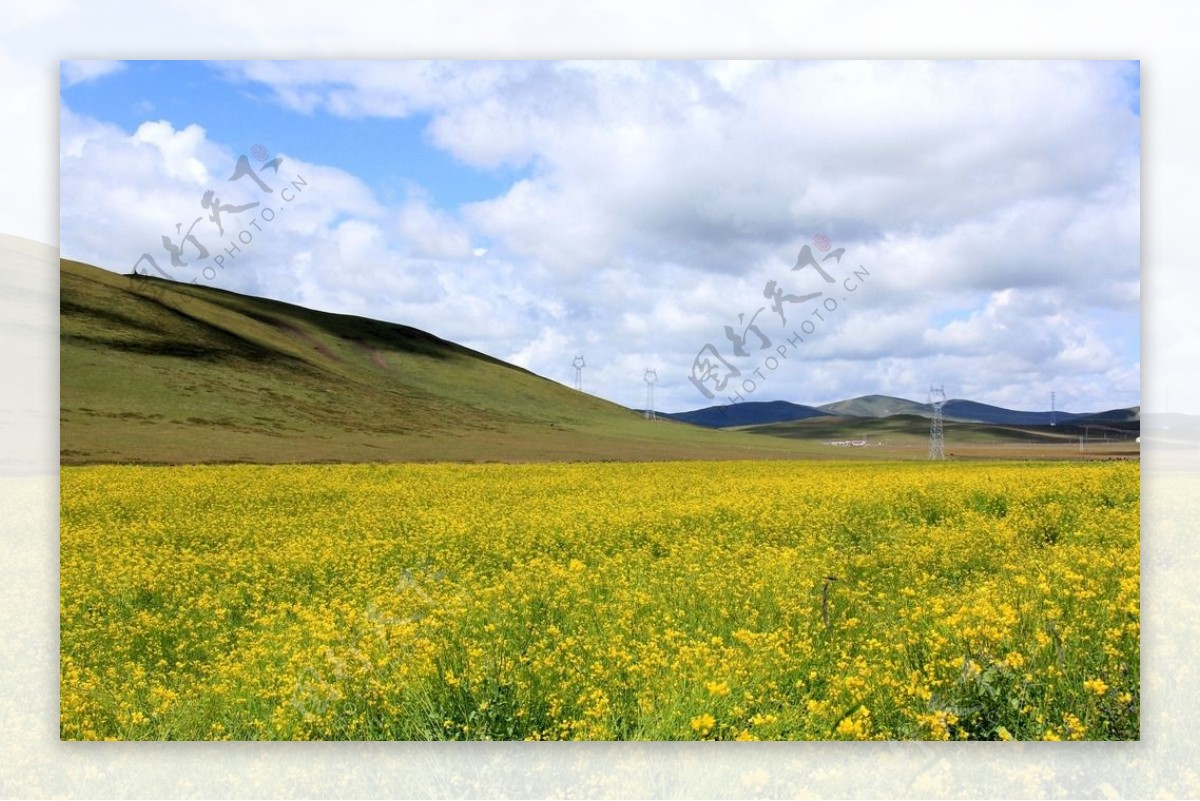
(967, 411)
(160, 372)
(881, 406)
(970, 411)
(874, 406)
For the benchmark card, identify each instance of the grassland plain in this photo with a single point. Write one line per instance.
(156, 372)
(720, 600)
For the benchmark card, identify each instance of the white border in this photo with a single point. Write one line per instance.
(34, 764)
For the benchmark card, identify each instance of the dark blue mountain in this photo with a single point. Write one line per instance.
(750, 413)
(876, 406)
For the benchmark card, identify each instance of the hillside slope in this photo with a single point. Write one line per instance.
(874, 406)
(155, 371)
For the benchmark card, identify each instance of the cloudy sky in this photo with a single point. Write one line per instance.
(978, 222)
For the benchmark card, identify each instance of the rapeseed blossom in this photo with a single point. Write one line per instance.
(601, 601)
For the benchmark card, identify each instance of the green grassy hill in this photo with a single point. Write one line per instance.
(155, 371)
(874, 406)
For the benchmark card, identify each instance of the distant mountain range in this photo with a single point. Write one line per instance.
(753, 413)
(746, 414)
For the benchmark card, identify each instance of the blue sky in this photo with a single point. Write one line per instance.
(388, 153)
(631, 211)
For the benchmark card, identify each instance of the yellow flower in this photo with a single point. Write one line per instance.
(856, 725)
(1014, 660)
(848, 726)
(338, 605)
(938, 723)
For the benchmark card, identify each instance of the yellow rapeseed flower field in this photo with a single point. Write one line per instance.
(751, 600)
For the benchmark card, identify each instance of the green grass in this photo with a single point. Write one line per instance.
(907, 436)
(158, 372)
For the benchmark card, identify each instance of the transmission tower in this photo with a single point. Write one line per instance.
(651, 378)
(937, 445)
(1052, 421)
(579, 365)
